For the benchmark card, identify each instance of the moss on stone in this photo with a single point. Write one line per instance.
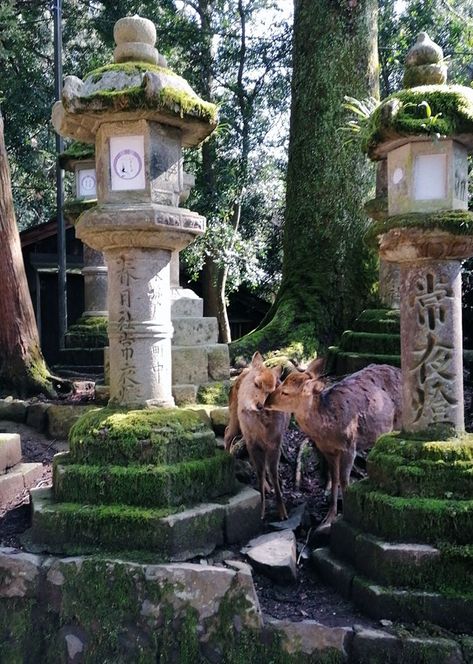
(412, 519)
(214, 393)
(19, 638)
(376, 343)
(168, 100)
(128, 68)
(110, 527)
(121, 437)
(383, 321)
(404, 114)
(184, 483)
(88, 332)
(456, 222)
(74, 207)
(76, 151)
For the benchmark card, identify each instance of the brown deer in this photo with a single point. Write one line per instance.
(263, 431)
(340, 419)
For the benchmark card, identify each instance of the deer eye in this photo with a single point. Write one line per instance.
(258, 384)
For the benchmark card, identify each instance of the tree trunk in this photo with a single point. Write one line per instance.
(327, 270)
(22, 366)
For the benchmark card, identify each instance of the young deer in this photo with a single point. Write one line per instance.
(340, 419)
(263, 431)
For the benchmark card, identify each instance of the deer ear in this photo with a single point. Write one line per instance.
(257, 361)
(316, 367)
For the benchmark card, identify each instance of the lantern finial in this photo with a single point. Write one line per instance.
(425, 64)
(135, 38)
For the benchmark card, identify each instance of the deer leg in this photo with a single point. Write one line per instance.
(346, 464)
(231, 431)
(334, 469)
(273, 465)
(258, 459)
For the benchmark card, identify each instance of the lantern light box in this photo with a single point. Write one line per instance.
(86, 180)
(127, 163)
(427, 176)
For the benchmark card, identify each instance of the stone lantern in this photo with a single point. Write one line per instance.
(388, 551)
(140, 115)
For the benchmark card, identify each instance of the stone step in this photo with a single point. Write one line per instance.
(81, 357)
(342, 362)
(190, 365)
(184, 483)
(195, 331)
(175, 535)
(371, 343)
(403, 564)
(422, 520)
(452, 611)
(20, 477)
(185, 302)
(10, 450)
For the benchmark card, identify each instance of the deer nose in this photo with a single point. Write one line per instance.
(259, 405)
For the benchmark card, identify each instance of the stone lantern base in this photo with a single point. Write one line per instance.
(145, 480)
(403, 549)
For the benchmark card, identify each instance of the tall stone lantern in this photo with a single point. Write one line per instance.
(140, 115)
(403, 548)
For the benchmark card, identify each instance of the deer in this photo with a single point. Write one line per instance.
(347, 416)
(263, 431)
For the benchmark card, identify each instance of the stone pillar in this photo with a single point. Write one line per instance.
(139, 327)
(431, 345)
(431, 325)
(389, 284)
(95, 283)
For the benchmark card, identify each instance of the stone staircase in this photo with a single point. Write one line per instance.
(375, 338)
(15, 476)
(197, 359)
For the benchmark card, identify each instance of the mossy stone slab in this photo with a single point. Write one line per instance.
(451, 612)
(184, 483)
(424, 520)
(374, 343)
(404, 564)
(349, 362)
(169, 533)
(117, 437)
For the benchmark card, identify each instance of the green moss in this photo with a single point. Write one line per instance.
(19, 631)
(168, 100)
(402, 114)
(73, 208)
(214, 393)
(128, 68)
(110, 527)
(436, 469)
(371, 343)
(76, 151)
(121, 437)
(456, 222)
(88, 332)
(412, 519)
(184, 483)
(383, 321)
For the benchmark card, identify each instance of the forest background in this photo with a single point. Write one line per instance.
(239, 54)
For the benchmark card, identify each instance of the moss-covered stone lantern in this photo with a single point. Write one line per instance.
(408, 529)
(140, 115)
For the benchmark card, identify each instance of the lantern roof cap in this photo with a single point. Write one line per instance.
(138, 85)
(75, 153)
(420, 113)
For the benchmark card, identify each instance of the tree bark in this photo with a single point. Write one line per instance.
(327, 270)
(22, 366)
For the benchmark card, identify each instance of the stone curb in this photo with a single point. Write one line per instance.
(48, 581)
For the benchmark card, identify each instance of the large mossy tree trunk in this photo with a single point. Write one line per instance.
(327, 270)
(22, 366)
